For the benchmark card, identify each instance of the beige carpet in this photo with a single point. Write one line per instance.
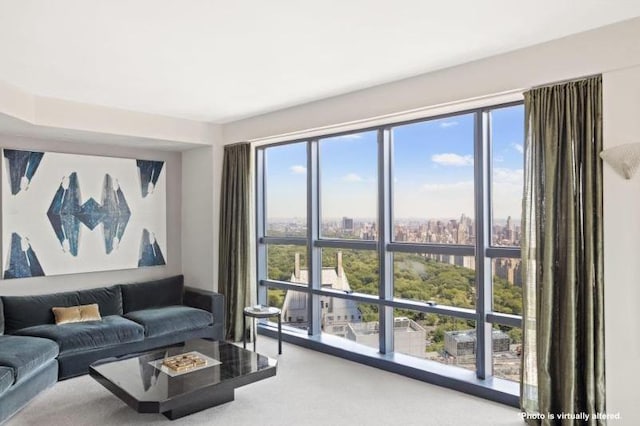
(310, 388)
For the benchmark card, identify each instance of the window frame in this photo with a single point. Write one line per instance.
(482, 250)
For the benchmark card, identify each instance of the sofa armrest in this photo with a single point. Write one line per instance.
(206, 300)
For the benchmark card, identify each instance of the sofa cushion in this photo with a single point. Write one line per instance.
(25, 354)
(153, 294)
(171, 319)
(6, 378)
(111, 330)
(27, 311)
(109, 299)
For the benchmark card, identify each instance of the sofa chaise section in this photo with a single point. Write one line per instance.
(27, 366)
(6, 378)
(24, 355)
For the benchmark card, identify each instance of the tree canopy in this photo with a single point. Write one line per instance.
(417, 277)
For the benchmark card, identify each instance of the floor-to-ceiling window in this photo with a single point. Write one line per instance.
(403, 239)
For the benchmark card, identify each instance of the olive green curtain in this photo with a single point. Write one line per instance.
(236, 236)
(562, 253)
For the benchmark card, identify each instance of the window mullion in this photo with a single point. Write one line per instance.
(261, 249)
(313, 229)
(385, 260)
(483, 264)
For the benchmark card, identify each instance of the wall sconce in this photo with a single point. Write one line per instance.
(624, 159)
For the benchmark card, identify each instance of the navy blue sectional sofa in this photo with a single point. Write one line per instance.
(35, 352)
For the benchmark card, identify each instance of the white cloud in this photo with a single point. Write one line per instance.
(518, 147)
(447, 124)
(352, 177)
(298, 170)
(498, 159)
(450, 159)
(508, 176)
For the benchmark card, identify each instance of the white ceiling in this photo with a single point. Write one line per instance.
(222, 60)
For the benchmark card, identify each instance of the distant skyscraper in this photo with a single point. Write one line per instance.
(509, 269)
(347, 224)
(508, 231)
(465, 227)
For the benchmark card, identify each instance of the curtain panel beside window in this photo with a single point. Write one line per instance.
(236, 274)
(562, 253)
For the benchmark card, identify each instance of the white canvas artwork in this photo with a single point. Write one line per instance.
(67, 213)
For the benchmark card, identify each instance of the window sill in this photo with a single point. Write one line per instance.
(493, 389)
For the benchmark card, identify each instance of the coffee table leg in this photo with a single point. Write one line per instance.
(254, 334)
(279, 334)
(244, 331)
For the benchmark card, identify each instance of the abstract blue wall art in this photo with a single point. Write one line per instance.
(149, 173)
(22, 166)
(81, 213)
(115, 213)
(150, 252)
(63, 213)
(23, 261)
(66, 213)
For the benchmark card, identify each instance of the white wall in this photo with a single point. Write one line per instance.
(605, 49)
(197, 220)
(218, 152)
(621, 124)
(201, 174)
(613, 51)
(69, 282)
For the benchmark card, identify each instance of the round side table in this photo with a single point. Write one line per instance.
(263, 312)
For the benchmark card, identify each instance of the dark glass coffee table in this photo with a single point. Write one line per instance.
(147, 389)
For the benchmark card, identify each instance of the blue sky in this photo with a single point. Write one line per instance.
(433, 171)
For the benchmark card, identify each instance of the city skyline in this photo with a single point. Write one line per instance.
(374, 219)
(441, 231)
(433, 171)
